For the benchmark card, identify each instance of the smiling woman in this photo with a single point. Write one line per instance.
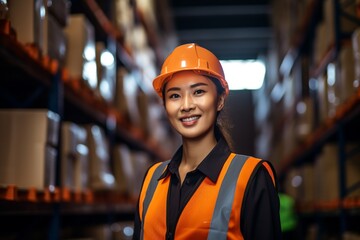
(205, 191)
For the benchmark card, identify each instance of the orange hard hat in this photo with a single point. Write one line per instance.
(190, 57)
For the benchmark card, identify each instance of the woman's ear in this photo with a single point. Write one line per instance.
(221, 102)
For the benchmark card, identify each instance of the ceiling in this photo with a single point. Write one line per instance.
(231, 29)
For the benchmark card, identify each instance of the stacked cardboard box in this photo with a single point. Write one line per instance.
(327, 182)
(100, 171)
(41, 23)
(81, 55)
(129, 169)
(74, 157)
(28, 149)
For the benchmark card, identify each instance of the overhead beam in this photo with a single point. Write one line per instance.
(230, 33)
(233, 10)
(232, 44)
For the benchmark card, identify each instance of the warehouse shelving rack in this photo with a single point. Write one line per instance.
(340, 215)
(30, 80)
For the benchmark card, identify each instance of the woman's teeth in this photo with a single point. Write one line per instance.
(190, 119)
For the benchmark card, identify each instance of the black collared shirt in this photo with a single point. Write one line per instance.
(260, 211)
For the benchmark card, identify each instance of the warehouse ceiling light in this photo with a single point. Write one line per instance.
(107, 59)
(244, 74)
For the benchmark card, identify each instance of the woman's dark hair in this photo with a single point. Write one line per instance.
(220, 129)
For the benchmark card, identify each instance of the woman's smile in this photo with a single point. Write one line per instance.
(189, 121)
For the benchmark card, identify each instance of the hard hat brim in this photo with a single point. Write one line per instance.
(160, 80)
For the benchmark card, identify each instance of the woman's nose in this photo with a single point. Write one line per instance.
(187, 103)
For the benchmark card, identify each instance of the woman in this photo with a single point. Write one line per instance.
(205, 191)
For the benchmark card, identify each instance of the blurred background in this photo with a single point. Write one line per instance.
(80, 123)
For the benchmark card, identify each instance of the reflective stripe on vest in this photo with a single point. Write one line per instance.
(225, 198)
(150, 191)
(198, 221)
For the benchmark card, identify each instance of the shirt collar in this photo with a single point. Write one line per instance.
(210, 166)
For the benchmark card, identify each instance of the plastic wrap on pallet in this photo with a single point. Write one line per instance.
(81, 52)
(74, 157)
(60, 9)
(106, 72)
(124, 171)
(356, 52)
(305, 118)
(333, 92)
(101, 175)
(55, 41)
(120, 100)
(347, 79)
(321, 95)
(141, 163)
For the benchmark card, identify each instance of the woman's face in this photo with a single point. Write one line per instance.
(192, 103)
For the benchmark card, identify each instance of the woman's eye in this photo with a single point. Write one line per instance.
(174, 95)
(199, 91)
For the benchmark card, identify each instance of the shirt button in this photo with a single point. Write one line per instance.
(169, 236)
(188, 181)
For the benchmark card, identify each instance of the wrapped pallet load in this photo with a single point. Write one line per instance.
(74, 157)
(81, 54)
(28, 20)
(100, 176)
(356, 54)
(106, 72)
(124, 170)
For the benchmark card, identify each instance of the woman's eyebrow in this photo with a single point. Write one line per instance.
(173, 89)
(198, 84)
(191, 86)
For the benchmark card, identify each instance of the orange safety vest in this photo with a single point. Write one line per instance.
(213, 212)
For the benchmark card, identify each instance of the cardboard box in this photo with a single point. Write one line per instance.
(292, 183)
(74, 157)
(60, 9)
(141, 164)
(55, 41)
(143, 106)
(81, 52)
(130, 89)
(120, 99)
(28, 148)
(333, 92)
(307, 189)
(305, 118)
(327, 173)
(100, 175)
(32, 167)
(124, 170)
(27, 18)
(356, 53)
(106, 70)
(347, 73)
(322, 96)
(327, 168)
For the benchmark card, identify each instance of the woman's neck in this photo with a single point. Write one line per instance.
(195, 150)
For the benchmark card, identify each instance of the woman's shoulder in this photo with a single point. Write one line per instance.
(256, 165)
(255, 160)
